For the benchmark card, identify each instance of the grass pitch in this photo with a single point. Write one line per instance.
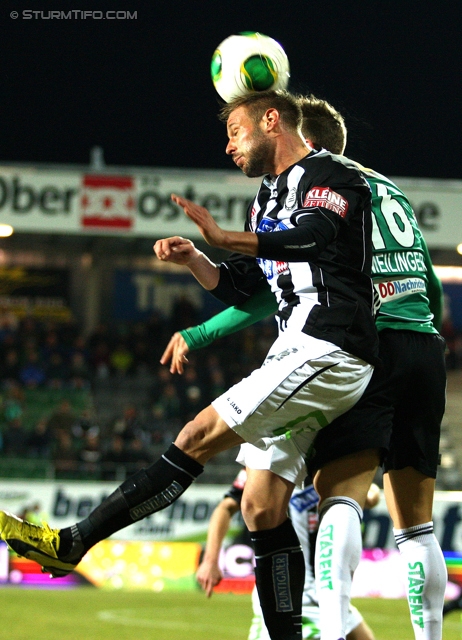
(91, 614)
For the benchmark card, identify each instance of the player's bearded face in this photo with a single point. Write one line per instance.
(257, 155)
(248, 145)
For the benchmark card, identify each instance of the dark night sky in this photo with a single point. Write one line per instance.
(141, 88)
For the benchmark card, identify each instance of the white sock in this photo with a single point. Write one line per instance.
(425, 576)
(338, 551)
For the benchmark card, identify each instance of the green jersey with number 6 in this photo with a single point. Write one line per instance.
(403, 275)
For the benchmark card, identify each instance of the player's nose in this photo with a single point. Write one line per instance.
(230, 148)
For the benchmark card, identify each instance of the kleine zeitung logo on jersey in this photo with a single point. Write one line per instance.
(326, 198)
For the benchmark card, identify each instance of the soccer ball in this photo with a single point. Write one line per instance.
(249, 62)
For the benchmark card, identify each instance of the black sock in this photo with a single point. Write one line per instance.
(147, 491)
(280, 577)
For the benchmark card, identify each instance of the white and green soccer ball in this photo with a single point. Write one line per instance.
(249, 62)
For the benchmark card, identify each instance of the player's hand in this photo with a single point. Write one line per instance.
(175, 353)
(209, 229)
(208, 575)
(373, 496)
(176, 249)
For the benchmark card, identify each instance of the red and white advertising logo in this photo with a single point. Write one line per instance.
(328, 199)
(281, 266)
(108, 202)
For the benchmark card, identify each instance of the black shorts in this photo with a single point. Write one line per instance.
(401, 410)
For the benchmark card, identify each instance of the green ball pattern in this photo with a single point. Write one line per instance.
(258, 72)
(216, 66)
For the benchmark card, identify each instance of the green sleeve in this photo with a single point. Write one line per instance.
(434, 290)
(260, 305)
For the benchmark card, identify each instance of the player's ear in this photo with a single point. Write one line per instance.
(271, 119)
(310, 143)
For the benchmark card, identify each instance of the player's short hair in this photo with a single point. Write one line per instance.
(258, 102)
(323, 125)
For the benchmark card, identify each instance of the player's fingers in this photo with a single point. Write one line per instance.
(162, 249)
(176, 367)
(169, 351)
(179, 360)
(182, 202)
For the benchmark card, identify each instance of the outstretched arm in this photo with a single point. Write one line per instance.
(208, 574)
(312, 232)
(182, 251)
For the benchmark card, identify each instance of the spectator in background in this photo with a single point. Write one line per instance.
(121, 360)
(100, 360)
(90, 454)
(215, 376)
(83, 424)
(62, 419)
(137, 455)
(51, 346)
(65, 455)
(39, 441)
(8, 325)
(9, 340)
(13, 402)
(56, 371)
(10, 367)
(129, 424)
(79, 345)
(32, 374)
(79, 371)
(100, 335)
(113, 459)
(15, 439)
(162, 379)
(29, 331)
(138, 341)
(193, 397)
(167, 407)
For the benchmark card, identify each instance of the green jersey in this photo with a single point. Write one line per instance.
(404, 279)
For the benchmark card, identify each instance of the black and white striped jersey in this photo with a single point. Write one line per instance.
(314, 229)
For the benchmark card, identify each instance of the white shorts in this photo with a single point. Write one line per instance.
(297, 391)
(310, 621)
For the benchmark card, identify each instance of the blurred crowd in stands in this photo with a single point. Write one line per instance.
(46, 359)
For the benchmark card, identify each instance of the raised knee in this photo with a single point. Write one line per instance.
(259, 516)
(189, 437)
